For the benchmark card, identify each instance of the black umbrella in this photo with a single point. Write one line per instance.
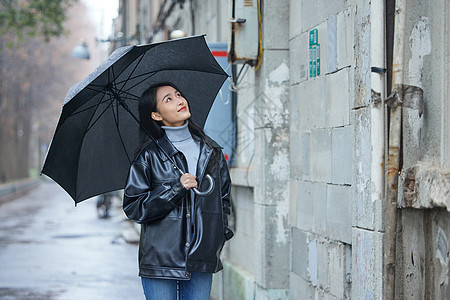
(98, 130)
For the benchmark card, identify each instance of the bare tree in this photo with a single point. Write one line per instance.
(35, 74)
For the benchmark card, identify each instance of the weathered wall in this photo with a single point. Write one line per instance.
(422, 267)
(422, 254)
(426, 63)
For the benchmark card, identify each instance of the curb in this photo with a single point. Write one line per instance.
(131, 233)
(11, 190)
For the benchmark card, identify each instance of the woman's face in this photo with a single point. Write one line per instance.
(173, 109)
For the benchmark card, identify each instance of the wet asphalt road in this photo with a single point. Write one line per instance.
(50, 249)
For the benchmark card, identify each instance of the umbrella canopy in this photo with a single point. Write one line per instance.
(98, 130)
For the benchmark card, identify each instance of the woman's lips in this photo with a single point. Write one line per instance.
(182, 109)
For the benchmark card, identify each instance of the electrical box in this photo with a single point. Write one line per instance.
(244, 26)
(220, 125)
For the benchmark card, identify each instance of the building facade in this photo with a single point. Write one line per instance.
(341, 173)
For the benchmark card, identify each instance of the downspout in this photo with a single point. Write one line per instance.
(234, 78)
(377, 113)
(123, 42)
(394, 145)
(192, 17)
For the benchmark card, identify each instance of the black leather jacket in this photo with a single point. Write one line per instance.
(179, 235)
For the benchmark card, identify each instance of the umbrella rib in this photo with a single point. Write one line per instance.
(101, 114)
(112, 69)
(116, 120)
(87, 129)
(139, 82)
(140, 75)
(91, 106)
(129, 76)
(116, 117)
(136, 84)
(105, 92)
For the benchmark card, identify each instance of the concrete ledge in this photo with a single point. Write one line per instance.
(237, 282)
(131, 233)
(424, 186)
(14, 189)
(242, 177)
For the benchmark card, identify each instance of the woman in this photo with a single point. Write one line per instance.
(182, 233)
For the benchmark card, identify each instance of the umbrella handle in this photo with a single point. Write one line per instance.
(209, 190)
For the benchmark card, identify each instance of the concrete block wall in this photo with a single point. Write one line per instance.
(321, 153)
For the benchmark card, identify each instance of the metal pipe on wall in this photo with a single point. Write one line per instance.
(378, 59)
(394, 150)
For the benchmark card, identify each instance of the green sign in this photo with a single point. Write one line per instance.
(314, 53)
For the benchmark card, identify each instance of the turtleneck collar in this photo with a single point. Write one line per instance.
(178, 134)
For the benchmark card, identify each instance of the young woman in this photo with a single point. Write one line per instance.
(182, 234)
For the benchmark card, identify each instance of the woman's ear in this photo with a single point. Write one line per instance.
(156, 116)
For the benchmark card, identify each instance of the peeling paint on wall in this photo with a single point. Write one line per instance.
(282, 229)
(420, 43)
(280, 75)
(424, 186)
(280, 165)
(442, 255)
(279, 170)
(363, 256)
(312, 262)
(276, 96)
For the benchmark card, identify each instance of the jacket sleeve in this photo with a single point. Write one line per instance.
(226, 196)
(146, 200)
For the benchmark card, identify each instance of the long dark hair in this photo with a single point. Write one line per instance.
(147, 105)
